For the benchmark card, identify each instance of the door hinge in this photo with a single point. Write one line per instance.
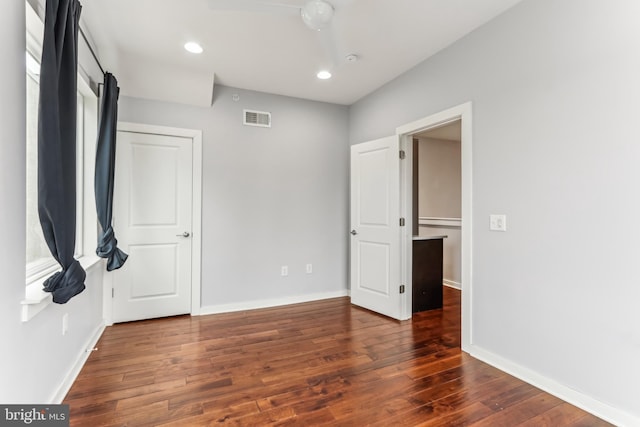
(113, 293)
(401, 222)
(402, 289)
(403, 155)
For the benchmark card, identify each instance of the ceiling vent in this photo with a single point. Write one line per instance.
(257, 118)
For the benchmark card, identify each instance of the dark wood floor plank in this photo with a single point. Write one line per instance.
(320, 363)
(589, 421)
(520, 412)
(560, 415)
(215, 415)
(107, 395)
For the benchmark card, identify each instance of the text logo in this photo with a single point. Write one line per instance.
(34, 415)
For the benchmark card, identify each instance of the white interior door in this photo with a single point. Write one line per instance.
(152, 215)
(375, 226)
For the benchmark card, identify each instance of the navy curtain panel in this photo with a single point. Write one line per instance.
(105, 169)
(57, 145)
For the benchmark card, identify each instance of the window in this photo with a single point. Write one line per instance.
(39, 261)
(39, 258)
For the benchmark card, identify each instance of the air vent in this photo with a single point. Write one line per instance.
(257, 118)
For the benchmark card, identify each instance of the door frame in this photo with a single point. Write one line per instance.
(461, 112)
(196, 213)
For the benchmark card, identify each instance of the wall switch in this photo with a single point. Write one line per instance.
(65, 323)
(309, 269)
(284, 270)
(498, 222)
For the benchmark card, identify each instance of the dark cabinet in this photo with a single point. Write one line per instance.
(427, 273)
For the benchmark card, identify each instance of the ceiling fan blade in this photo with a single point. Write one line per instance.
(265, 6)
(332, 37)
(332, 45)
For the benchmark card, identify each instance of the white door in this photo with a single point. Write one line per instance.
(375, 226)
(152, 216)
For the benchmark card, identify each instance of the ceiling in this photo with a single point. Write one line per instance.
(141, 43)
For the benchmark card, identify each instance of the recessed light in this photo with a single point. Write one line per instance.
(193, 47)
(323, 75)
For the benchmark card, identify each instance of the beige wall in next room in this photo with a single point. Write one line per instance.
(439, 196)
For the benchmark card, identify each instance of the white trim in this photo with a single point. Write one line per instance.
(35, 28)
(158, 130)
(461, 112)
(38, 7)
(196, 239)
(80, 178)
(36, 299)
(88, 156)
(574, 397)
(433, 121)
(268, 303)
(196, 202)
(452, 284)
(443, 222)
(107, 298)
(72, 374)
(406, 232)
(36, 270)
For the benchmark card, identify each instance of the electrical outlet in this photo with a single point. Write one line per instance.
(284, 270)
(65, 323)
(497, 222)
(309, 268)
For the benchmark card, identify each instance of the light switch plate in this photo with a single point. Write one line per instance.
(497, 222)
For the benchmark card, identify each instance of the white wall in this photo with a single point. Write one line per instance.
(35, 358)
(439, 178)
(271, 197)
(555, 90)
(440, 196)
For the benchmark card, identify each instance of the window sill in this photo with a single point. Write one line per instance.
(37, 300)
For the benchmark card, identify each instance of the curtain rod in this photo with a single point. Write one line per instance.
(84, 36)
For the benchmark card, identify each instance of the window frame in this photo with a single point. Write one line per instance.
(43, 267)
(86, 111)
(86, 218)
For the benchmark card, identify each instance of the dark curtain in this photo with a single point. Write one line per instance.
(105, 168)
(57, 145)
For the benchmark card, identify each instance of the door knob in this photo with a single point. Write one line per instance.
(354, 232)
(185, 234)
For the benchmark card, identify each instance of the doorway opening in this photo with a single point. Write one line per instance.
(446, 124)
(437, 194)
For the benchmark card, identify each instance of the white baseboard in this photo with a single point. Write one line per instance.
(71, 376)
(452, 284)
(599, 409)
(267, 303)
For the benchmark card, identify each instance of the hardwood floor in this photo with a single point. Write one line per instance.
(320, 363)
